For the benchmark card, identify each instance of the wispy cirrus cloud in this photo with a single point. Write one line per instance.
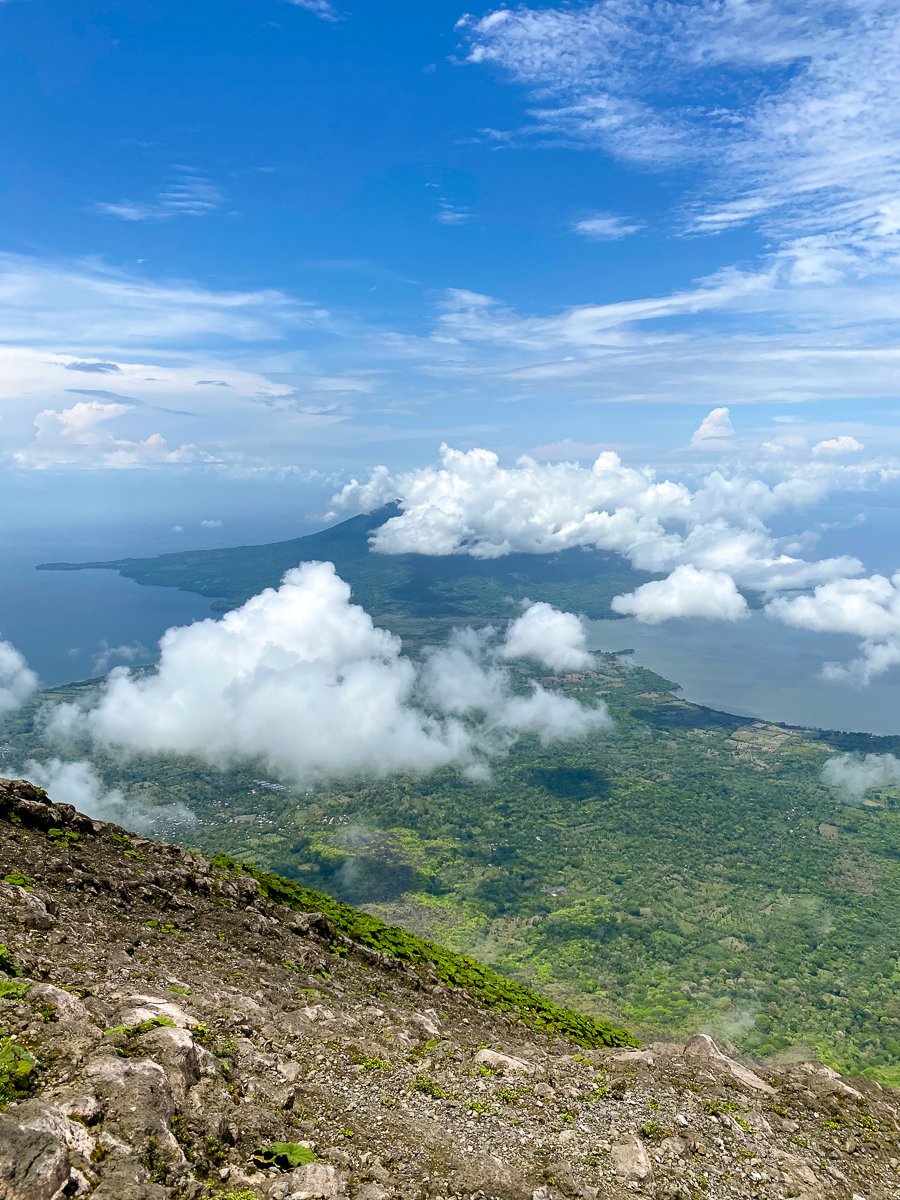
(606, 227)
(791, 111)
(189, 194)
(321, 8)
(454, 214)
(164, 343)
(89, 307)
(740, 335)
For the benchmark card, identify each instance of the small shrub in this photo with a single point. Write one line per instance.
(17, 1069)
(430, 1087)
(62, 837)
(285, 1155)
(13, 989)
(8, 965)
(132, 1031)
(653, 1131)
(717, 1108)
(17, 879)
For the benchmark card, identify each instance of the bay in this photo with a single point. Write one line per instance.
(758, 668)
(73, 625)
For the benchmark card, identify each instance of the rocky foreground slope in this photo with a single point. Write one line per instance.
(172, 1027)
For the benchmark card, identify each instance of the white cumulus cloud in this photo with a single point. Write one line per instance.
(79, 434)
(867, 608)
(711, 539)
(837, 447)
(687, 592)
(713, 431)
(556, 639)
(17, 681)
(302, 679)
(470, 504)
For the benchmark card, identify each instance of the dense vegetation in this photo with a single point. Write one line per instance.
(454, 970)
(686, 870)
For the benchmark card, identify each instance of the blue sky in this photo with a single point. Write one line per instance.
(254, 247)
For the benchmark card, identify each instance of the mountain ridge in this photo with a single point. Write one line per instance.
(389, 585)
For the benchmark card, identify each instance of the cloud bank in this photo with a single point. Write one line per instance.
(17, 681)
(470, 504)
(302, 679)
(711, 540)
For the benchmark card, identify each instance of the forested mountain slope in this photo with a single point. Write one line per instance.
(176, 1027)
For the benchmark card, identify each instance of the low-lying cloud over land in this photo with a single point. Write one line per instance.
(687, 592)
(17, 681)
(851, 776)
(301, 678)
(556, 639)
(76, 782)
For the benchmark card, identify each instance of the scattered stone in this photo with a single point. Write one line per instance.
(631, 1160)
(34, 1165)
(315, 1181)
(704, 1049)
(505, 1064)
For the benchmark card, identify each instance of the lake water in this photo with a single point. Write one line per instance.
(64, 621)
(758, 668)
